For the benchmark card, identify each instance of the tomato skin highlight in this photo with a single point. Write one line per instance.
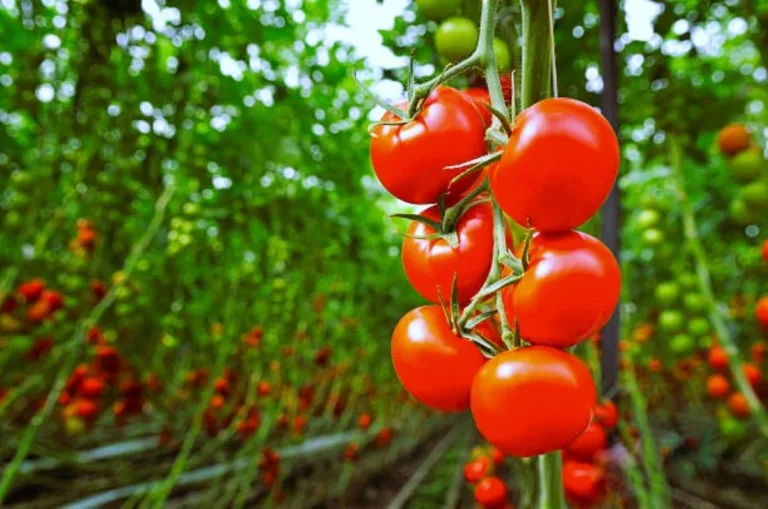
(558, 167)
(533, 400)
(410, 160)
(568, 292)
(434, 365)
(431, 264)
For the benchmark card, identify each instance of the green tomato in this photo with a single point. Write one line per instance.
(698, 326)
(648, 218)
(755, 195)
(667, 293)
(653, 236)
(687, 280)
(748, 165)
(740, 213)
(456, 38)
(694, 302)
(705, 342)
(732, 429)
(682, 345)
(671, 321)
(503, 57)
(437, 10)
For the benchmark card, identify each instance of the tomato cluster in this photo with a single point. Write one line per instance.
(556, 170)
(490, 491)
(586, 459)
(748, 167)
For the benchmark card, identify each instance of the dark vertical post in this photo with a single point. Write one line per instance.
(611, 209)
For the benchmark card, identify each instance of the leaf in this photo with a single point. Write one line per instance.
(455, 309)
(503, 118)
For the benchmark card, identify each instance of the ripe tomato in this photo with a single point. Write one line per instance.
(558, 167)
(718, 386)
(438, 9)
(738, 405)
(476, 470)
(568, 292)
(434, 365)
(491, 492)
(765, 250)
(431, 264)
(752, 373)
(481, 96)
(509, 393)
(718, 359)
(758, 351)
(733, 138)
(456, 38)
(583, 482)
(410, 159)
(761, 311)
(607, 414)
(588, 444)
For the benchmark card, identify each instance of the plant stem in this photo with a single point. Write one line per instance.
(536, 85)
(550, 470)
(714, 311)
(652, 464)
(537, 51)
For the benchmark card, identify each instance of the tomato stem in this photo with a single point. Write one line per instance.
(551, 495)
(537, 51)
(453, 214)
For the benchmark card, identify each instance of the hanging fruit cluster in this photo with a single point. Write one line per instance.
(748, 167)
(493, 338)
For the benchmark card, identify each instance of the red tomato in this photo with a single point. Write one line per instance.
(365, 421)
(476, 470)
(31, 290)
(758, 352)
(91, 387)
(718, 359)
(497, 456)
(481, 96)
(532, 400)
(431, 264)
(434, 365)
(558, 167)
(491, 492)
(738, 405)
(761, 311)
(765, 250)
(607, 414)
(568, 292)
(588, 444)
(583, 482)
(410, 159)
(718, 386)
(752, 374)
